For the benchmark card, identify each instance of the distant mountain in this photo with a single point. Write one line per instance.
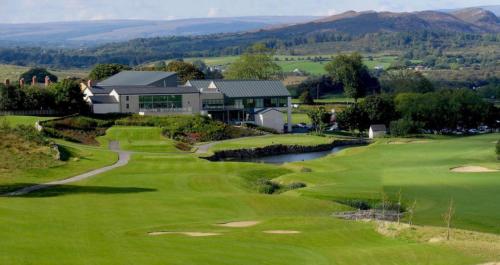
(95, 32)
(358, 23)
(495, 9)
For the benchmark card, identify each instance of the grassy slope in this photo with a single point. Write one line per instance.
(287, 139)
(143, 139)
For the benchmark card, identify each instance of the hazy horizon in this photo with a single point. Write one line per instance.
(43, 11)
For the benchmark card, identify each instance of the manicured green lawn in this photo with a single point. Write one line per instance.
(106, 219)
(421, 170)
(143, 139)
(24, 120)
(286, 139)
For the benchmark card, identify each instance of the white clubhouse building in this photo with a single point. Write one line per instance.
(158, 93)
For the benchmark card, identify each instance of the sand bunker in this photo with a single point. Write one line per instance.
(239, 224)
(193, 234)
(436, 240)
(472, 169)
(491, 263)
(282, 232)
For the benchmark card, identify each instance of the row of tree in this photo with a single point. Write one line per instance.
(64, 97)
(409, 112)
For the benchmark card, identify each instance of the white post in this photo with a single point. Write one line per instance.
(289, 117)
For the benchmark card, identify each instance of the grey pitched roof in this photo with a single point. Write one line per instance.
(103, 99)
(378, 128)
(262, 111)
(96, 90)
(245, 88)
(135, 78)
(153, 90)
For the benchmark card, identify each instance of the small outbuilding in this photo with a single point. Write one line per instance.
(377, 130)
(270, 118)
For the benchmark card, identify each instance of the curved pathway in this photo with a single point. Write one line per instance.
(123, 159)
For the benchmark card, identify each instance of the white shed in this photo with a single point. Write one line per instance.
(104, 104)
(270, 118)
(377, 130)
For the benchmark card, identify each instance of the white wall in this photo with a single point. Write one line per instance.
(271, 119)
(106, 108)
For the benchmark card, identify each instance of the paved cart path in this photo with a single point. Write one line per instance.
(123, 159)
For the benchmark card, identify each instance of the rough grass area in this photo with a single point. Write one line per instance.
(261, 141)
(79, 129)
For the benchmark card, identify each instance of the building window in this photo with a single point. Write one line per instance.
(259, 103)
(209, 104)
(160, 102)
(128, 106)
(127, 98)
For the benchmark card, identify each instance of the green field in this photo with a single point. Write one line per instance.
(13, 72)
(106, 219)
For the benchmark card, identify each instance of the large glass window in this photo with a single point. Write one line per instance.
(213, 104)
(160, 102)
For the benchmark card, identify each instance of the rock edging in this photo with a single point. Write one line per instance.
(280, 149)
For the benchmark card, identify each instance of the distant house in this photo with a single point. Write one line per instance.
(157, 93)
(377, 130)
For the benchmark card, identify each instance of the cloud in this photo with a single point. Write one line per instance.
(213, 12)
(331, 12)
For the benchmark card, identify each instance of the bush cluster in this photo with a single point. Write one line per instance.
(267, 186)
(498, 149)
(188, 128)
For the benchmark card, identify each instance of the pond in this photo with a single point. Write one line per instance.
(287, 158)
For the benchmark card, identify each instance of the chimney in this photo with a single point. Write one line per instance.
(7, 82)
(21, 82)
(90, 83)
(33, 80)
(47, 81)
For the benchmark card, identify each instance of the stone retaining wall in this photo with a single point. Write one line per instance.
(280, 149)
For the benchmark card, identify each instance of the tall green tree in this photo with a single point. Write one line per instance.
(402, 81)
(102, 71)
(352, 73)
(11, 97)
(319, 118)
(185, 71)
(68, 97)
(380, 109)
(255, 64)
(40, 74)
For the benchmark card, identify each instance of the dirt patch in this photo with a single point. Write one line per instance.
(282, 232)
(240, 224)
(472, 169)
(490, 263)
(436, 240)
(192, 234)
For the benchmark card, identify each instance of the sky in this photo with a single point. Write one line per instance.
(36, 11)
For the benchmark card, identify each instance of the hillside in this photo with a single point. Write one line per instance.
(99, 32)
(359, 31)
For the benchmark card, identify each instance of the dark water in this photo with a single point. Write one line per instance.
(281, 159)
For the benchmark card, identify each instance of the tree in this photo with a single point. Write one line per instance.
(68, 97)
(185, 71)
(380, 109)
(11, 97)
(353, 118)
(352, 73)
(38, 99)
(319, 119)
(40, 74)
(209, 72)
(305, 98)
(103, 71)
(400, 81)
(255, 64)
